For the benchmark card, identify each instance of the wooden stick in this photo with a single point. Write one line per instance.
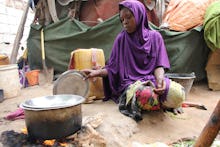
(210, 130)
(19, 36)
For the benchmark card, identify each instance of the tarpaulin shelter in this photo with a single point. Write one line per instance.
(63, 37)
(187, 50)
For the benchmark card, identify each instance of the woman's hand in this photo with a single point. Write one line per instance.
(160, 87)
(160, 82)
(90, 73)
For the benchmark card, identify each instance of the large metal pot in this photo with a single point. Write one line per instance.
(55, 117)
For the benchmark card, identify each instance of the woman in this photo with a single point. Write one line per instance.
(138, 54)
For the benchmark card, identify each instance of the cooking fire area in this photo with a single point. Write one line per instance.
(86, 136)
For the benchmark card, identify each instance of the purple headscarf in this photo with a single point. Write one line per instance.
(135, 56)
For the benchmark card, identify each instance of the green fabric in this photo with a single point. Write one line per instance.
(212, 26)
(187, 50)
(63, 37)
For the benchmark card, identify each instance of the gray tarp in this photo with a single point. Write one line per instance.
(187, 50)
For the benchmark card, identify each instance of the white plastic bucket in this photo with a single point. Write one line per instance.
(9, 80)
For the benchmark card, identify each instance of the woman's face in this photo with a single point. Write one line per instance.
(127, 20)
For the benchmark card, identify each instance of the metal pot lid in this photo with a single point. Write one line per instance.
(53, 102)
(71, 82)
(37, 109)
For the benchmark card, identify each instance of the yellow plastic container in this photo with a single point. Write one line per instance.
(89, 59)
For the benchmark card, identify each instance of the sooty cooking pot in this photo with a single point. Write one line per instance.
(53, 117)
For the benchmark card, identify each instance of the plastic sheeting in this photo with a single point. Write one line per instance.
(187, 50)
(182, 15)
(63, 37)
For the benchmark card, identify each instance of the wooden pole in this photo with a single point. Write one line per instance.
(19, 36)
(211, 129)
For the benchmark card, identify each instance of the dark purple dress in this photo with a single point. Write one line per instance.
(135, 56)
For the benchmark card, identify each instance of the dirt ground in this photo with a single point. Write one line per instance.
(119, 130)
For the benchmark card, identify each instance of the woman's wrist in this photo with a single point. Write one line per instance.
(102, 72)
(159, 73)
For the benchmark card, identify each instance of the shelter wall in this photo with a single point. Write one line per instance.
(11, 12)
